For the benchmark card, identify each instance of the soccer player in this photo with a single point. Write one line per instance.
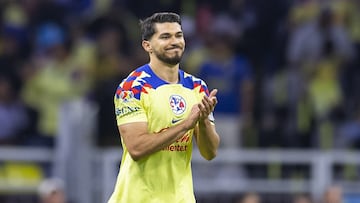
(159, 108)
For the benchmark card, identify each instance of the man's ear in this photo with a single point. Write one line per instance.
(146, 45)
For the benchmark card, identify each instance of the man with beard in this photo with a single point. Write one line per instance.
(159, 108)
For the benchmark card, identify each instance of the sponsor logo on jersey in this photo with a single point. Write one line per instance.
(177, 104)
(180, 145)
(173, 121)
(126, 110)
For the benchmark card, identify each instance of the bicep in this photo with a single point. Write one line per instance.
(131, 133)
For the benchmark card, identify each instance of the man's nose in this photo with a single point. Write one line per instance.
(175, 40)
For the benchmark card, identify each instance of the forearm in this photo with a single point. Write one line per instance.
(158, 141)
(148, 143)
(207, 139)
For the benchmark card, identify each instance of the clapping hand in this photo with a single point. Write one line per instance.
(207, 104)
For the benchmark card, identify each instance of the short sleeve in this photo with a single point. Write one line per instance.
(201, 88)
(128, 109)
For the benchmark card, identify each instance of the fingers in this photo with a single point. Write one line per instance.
(203, 111)
(213, 93)
(193, 117)
(207, 104)
(212, 97)
(195, 110)
(210, 101)
(215, 101)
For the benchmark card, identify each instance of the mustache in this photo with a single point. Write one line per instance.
(174, 47)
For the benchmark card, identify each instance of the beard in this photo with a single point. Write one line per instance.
(169, 60)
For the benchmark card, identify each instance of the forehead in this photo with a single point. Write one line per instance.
(161, 28)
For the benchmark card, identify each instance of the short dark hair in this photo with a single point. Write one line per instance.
(147, 25)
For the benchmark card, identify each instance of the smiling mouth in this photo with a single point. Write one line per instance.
(169, 50)
(173, 48)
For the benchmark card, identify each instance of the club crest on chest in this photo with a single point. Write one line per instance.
(177, 104)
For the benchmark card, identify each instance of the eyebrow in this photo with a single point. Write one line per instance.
(168, 33)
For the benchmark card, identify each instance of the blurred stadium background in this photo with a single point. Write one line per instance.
(287, 71)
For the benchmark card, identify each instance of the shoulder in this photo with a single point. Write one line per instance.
(194, 83)
(135, 78)
(134, 83)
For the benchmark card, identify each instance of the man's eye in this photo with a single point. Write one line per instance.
(164, 37)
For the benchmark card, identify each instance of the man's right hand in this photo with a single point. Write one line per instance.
(191, 121)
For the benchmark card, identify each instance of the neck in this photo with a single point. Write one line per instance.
(167, 72)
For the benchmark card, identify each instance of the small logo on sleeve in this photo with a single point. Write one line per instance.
(126, 95)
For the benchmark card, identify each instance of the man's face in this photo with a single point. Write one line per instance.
(168, 42)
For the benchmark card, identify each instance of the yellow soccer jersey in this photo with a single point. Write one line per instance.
(165, 176)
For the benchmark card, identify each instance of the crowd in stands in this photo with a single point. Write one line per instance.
(287, 71)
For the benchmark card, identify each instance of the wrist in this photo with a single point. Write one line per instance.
(209, 118)
(185, 125)
(205, 121)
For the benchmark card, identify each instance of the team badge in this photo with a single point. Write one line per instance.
(126, 95)
(177, 104)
